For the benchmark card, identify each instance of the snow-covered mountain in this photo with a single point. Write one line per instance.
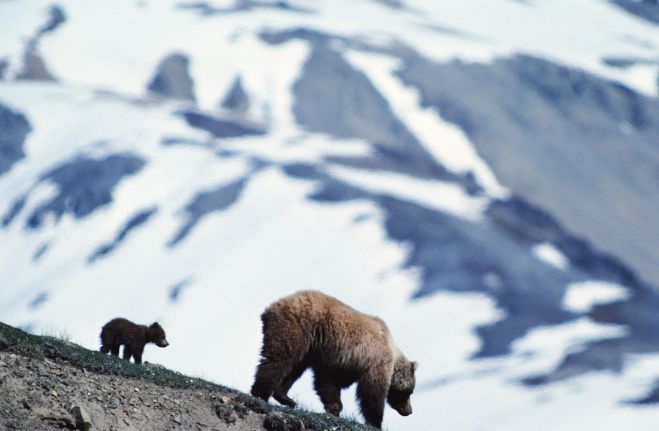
(481, 174)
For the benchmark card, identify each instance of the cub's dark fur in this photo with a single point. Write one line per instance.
(133, 337)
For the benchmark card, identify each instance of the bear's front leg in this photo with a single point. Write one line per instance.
(137, 354)
(329, 393)
(372, 392)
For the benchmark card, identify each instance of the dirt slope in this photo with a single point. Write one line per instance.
(47, 383)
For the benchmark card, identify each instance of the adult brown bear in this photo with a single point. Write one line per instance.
(342, 345)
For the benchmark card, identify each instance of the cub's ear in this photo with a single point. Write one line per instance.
(155, 325)
(415, 365)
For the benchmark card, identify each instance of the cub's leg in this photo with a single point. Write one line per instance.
(137, 354)
(128, 352)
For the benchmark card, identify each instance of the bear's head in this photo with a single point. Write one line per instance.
(156, 335)
(402, 385)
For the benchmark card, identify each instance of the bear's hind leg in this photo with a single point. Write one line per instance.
(114, 349)
(285, 347)
(281, 393)
(105, 349)
(269, 376)
(271, 373)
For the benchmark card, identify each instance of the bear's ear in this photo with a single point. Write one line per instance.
(415, 365)
(155, 325)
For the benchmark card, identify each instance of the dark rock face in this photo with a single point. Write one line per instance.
(206, 202)
(395, 4)
(583, 148)
(622, 62)
(651, 398)
(171, 141)
(456, 255)
(14, 210)
(222, 127)
(177, 289)
(334, 98)
(646, 9)
(56, 17)
(581, 155)
(208, 9)
(495, 258)
(84, 184)
(40, 252)
(172, 78)
(640, 317)
(303, 171)
(136, 221)
(532, 225)
(4, 65)
(460, 256)
(14, 128)
(639, 314)
(300, 33)
(236, 99)
(34, 68)
(38, 300)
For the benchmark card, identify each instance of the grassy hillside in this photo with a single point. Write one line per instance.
(48, 383)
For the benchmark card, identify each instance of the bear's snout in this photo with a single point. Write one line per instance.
(405, 410)
(163, 343)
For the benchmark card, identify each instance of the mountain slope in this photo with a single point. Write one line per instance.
(485, 182)
(48, 383)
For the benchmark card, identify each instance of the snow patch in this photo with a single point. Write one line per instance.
(549, 254)
(443, 196)
(582, 296)
(445, 141)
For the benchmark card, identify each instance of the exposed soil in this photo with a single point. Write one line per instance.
(47, 384)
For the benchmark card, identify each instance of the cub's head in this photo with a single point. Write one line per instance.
(156, 335)
(402, 386)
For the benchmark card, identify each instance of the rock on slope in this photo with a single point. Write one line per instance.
(47, 383)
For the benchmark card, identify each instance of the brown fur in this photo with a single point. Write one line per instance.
(133, 337)
(342, 345)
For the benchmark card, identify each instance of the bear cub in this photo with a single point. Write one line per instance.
(342, 346)
(133, 337)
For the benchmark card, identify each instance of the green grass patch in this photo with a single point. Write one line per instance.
(40, 347)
